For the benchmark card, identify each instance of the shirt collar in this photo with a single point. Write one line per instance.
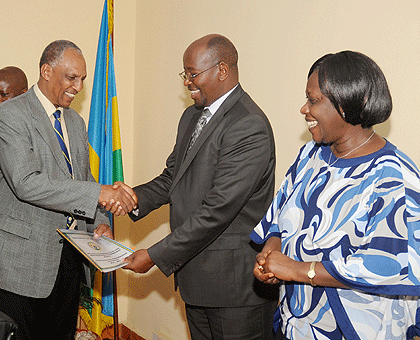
(46, 104)
(217, 103)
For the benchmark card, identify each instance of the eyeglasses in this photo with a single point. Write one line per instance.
(190, 77)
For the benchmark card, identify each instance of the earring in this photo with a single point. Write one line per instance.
(344, 114)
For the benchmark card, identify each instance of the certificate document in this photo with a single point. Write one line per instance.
(105, 254)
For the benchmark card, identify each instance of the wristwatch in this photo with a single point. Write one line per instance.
(311, 273)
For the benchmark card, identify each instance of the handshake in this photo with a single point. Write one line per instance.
(119, 199)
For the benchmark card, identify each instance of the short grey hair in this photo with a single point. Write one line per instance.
(53, 53)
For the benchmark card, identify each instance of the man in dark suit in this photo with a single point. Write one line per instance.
(218, 188)
(43, 188)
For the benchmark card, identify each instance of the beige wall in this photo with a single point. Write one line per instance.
(277, 41)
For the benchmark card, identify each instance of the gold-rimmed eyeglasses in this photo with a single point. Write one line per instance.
(190, 77)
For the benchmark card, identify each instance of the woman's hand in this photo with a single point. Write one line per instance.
(260, 272)
(282, 266)
(286, 269)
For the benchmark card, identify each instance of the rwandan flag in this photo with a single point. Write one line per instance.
(104, 153)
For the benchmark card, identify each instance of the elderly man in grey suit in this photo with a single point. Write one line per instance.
(219, 181)
(45, 184)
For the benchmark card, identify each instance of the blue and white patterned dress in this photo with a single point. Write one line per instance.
(361, 218)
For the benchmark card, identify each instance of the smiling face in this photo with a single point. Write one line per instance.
(206, 87)
(324, 122)
(61, 82)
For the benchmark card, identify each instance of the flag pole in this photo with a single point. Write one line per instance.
(114, 275)
(116, 325)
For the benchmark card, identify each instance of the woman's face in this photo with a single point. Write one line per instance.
(324, 122)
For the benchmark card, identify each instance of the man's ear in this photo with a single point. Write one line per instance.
(223, 71)
(46, 71)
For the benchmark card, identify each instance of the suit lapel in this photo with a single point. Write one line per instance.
(186, 140)
(72, 131)
(182, 164)
(43, 125)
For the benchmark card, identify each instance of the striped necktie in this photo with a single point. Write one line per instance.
(71, 222)
(60, 137)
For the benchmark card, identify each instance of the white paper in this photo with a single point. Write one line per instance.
(105, 254)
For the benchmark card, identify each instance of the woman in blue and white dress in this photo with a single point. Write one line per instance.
(343, 232)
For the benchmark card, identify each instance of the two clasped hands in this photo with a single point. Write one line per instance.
(119, 199)
(271, 265)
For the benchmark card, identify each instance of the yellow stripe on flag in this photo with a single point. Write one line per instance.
(94, 163)
(116, 140)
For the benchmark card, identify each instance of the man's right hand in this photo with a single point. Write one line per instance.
(119, 200)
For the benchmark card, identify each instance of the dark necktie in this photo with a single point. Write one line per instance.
(199, 127)
(59, 132)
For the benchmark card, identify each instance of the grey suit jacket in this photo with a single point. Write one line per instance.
(217, 193)
(36, 190)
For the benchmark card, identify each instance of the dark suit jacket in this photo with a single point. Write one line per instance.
(36, 190)
(217, 193)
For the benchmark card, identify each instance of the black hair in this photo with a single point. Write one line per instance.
(354, 82)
